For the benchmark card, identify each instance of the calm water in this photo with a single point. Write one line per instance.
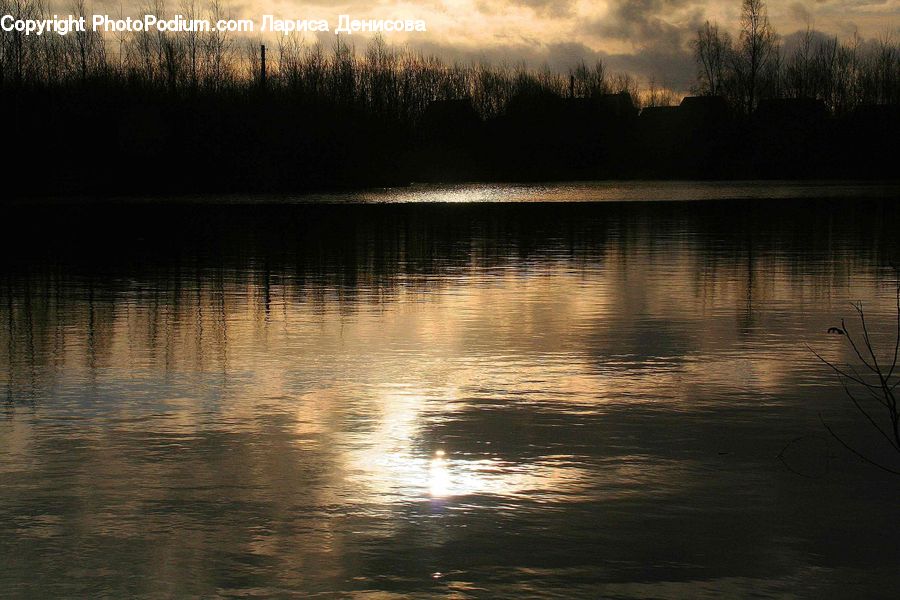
(443, 400)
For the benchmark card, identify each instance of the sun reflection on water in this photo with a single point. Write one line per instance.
(439, 476)
(387, 464)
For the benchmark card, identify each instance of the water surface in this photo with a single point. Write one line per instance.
(442, 400)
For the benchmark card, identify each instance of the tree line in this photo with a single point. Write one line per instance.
(755, 65)
(158, 113)
(745, 69)
(381, 78)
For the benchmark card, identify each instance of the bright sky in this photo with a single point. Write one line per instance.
(647, 38)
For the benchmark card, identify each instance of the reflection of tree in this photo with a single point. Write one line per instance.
(10, 341)
(180, 295)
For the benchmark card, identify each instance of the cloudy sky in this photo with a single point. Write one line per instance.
(647, 38)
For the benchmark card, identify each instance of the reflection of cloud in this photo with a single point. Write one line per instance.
(579, 376)
(387, 462)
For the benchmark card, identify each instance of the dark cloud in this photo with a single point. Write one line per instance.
(792, 41)
(647, 23)
(674, 70)
(798, 11)
(647, 38)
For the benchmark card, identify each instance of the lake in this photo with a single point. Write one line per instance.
(450, 392)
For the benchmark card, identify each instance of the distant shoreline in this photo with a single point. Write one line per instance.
(622, 191)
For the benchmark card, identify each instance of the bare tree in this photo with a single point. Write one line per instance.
(846, 93)
(589, 81)
(290, 61)
(19, 49)
(712, 52)
(253, 59)
(885, 69)
(798, 70)
(871, 388)
(219, 49)
(343, 72)
(87, 46)
(655, 95)
(824, 66)
(625, 83)
(755, 50)
(192, 43)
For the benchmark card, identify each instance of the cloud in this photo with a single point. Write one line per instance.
(550, 8)
(675, 70)
(644, 22)
(798, 11)
(648, 38)
(543, 8)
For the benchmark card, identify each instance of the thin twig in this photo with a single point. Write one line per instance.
(882, 392)
(854, 451)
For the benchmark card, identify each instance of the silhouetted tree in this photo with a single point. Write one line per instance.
(87, 46)
(219, 50)
(712, 52)
(590, 81)
(657, 96)
(755, 51)
(192, 44)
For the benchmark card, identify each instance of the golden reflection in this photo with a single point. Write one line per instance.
(364, 381)
(439, 476)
